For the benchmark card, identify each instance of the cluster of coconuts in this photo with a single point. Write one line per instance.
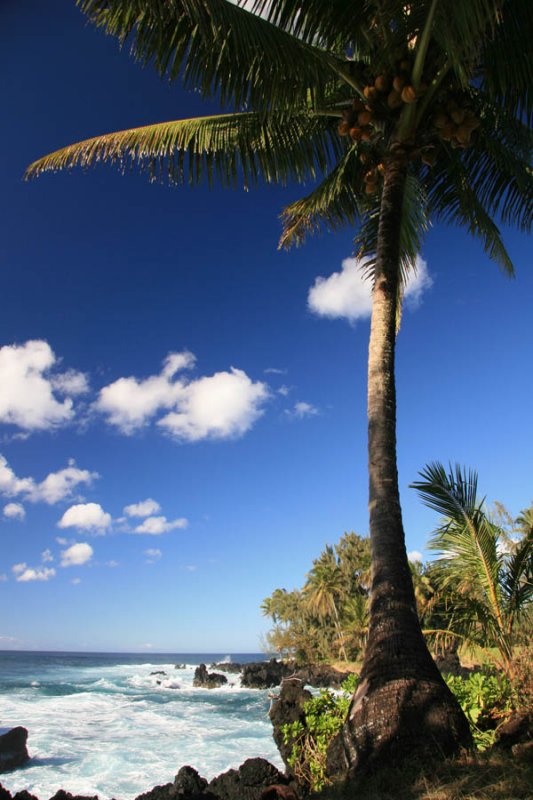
(455, 123)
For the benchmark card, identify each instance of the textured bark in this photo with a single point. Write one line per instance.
(402, 705)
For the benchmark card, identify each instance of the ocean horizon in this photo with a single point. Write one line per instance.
(117, 724)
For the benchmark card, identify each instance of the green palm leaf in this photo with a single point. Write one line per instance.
(230, 147)
(219, 49)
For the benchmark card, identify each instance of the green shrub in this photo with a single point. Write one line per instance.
(485, 698)
(324, 716)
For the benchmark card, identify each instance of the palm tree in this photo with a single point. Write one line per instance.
(406, 112)
(323, 590)
(491, 586)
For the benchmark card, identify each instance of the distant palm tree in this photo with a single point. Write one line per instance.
(405, 112)
(490, 587)
(323, 589)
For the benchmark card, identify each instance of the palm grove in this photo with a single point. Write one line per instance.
(401, 113)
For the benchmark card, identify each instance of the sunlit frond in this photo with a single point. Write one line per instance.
(232, 148)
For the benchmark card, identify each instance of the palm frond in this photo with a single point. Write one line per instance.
(218, 48)
(517, 583)
(334, 203)
(508, 66)
(453, 198)
(230, 147)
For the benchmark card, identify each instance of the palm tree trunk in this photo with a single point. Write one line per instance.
(402, 704)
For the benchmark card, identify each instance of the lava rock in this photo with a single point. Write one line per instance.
(248, 782)
(13, 752)
(163, 792)
(158, 672)
(228, 666)
(286, 709)
(4, 793)
(188, 783)
(517, 730)
(321, 676)
(265, 674)
(61, 794)
(180, 666)
(208, 680)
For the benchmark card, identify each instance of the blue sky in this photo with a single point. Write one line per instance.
(157, 347)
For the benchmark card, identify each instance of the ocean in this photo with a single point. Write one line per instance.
(104, 724)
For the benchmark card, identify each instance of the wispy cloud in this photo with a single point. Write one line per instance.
(302, 410)
(155, 526)
(152, 555)
(143, 509)
(25, 574)
(57, 486)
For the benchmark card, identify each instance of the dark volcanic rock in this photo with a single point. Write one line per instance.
(265, 674)
(248, 782)
(164, 792)
(321, 676)
(4, 794)
(63, 795)
(158, 672)
(207, 680)
(517, 730)
(24, 795)
(188, 784)
(288, 708)
(13, 752)
(228, 666)
(180, 666)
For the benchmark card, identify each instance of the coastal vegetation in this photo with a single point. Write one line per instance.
(406, 114)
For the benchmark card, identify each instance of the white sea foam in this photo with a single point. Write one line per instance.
(117, 731)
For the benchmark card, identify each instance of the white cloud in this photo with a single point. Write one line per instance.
(87, 517)
(112, 564)
(274, 371)
(14, 511)
(143, 509)
(284, 390)
(155, 526)
(220, 406)
(76, 555)
(191, 567)
(129, 403)
(46, 556)
(152, 555)
(302, 410)
(27, 399)
(414, 556)
(348, 295)
(71, 383)
(55, 487)
(76, 581)
(24, 574)
(62, 541)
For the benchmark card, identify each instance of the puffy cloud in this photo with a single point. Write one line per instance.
(129, 403)
(46, 556)
(24, 574)
(87, 517)
(55, 487)
(414, 556)
(348, 294)
(143, 509)
(302, 410)
(60, 485)
(155, 526)
(14, 511)
(76, 555)
(223, 405)
(27, 399)
(152, 555)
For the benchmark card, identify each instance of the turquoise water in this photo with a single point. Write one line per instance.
(103, 724)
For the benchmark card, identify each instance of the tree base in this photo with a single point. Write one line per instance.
(399, 720)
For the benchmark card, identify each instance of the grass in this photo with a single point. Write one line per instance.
(495, 776)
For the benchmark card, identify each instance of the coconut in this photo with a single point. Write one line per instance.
(458, 115)
(441, 119)
(382, 83)
(371, 176)
(463, 134)
(371, 188)
(429, 156)
(344, 128)
(366, 135)
(405, 64)
(355, 133)
(408, 94)
(370, 92)
(365, 117)
(398, 83)
(448, 132)
(394, 99)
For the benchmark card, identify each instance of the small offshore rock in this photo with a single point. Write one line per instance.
(158, 672)
(164, 792)
(61, 794)
(13, 751)
(207, 680)
(265, 674)
(180, 666)
(4, 793)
